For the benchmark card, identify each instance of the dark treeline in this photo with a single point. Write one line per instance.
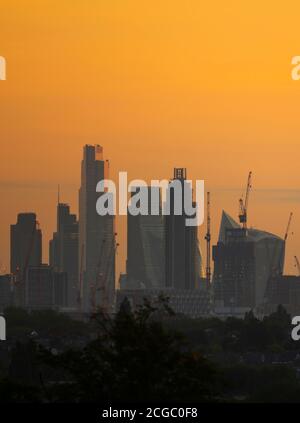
(149, 354)
(213, 335)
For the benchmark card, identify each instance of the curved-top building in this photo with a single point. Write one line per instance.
(244, 261)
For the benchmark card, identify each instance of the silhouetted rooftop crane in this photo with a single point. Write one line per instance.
(106, 260)
(244, 205)
(297, 264)
(288, 227)
(278, 256)
(79, 292)
(208, 238)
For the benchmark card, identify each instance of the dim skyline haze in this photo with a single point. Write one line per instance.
(159, 85)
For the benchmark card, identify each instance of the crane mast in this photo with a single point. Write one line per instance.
(286, 236)
(107, 303)
(99, 275)
(288, 227)
(297, 264)
(79, 291)
(244, 205)
(103, 276)
(208, 238)
(278, 255)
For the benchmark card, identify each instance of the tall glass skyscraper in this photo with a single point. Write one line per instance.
(96, 235)
(183, 262)
(145, 248)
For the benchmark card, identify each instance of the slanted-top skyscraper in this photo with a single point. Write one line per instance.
(145, 248)
(244, 261)
(96, 234)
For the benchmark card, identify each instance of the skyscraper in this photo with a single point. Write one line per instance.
(25, 250)
(45, 288)
(63, 250)
(6, 294)
(145, 248)
(244, 260)
(181, 246)
(96, 234)
(39, 292)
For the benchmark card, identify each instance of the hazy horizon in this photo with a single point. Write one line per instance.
(159, 85)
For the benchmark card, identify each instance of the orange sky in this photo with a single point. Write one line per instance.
(202, 85)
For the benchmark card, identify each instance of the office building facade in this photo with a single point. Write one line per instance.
(96, 235)
(25, 251)
(244, 260)
(145, 247)
(64, 250)
(181, 241)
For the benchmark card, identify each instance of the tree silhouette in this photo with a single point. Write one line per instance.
(133, 358)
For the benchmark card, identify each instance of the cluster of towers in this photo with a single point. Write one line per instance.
(81, 252)
(163, 256)
(162, 252)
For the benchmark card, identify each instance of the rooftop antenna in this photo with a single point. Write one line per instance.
(58, 194)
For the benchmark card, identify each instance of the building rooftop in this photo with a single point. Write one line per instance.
(254, 235)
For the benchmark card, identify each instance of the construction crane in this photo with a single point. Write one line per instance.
(79, 293)
(93, 285)
(297, 264)
(277, 258)
(208, 238)
(279, 255)
(244, 205)
(104, 279)
(103, 276)
(106, 305)
(288, 227)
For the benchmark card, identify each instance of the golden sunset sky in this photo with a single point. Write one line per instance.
(161, 83)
